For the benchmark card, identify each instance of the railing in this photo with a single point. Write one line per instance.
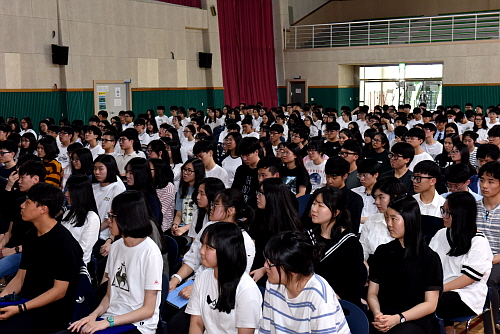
(449, 28)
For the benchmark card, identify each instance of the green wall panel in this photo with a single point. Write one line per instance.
(348, 97)
(281, 96)
(199, 99)
(80, 105)
(483, 95)
(327, 97)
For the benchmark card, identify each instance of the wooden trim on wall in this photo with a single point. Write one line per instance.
(38, 90)
(175, 88)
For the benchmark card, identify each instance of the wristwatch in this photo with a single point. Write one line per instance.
(402, 318)
(17, 249)
(111, 321)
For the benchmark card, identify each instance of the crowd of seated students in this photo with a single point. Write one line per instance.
(394, 210)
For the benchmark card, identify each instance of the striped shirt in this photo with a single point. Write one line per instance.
(315, 310)
(54, 172)
(488, 222)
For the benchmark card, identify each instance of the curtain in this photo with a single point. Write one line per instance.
(189, 3)
(247, 51)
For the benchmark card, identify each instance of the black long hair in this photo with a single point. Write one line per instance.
(407, 207)
(227, 240)
(143, 180)
(231, 197)
(463, 210)
(279, 214)
(160, 149)
(163, 174)
(212, 187)
(82, 199)
(199, 175)
(32, 147)
(86, 162)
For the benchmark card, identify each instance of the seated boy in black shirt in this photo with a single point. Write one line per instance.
(48, 273)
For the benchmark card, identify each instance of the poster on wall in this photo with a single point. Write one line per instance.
(101, 89)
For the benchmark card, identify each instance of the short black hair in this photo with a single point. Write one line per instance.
(32, 168)
(416, 132)
(8, 145)
(111, 168)
(94, 118)
(370, 166)
(161, 108)
(402, 119)
(491, 168)
(473, 135)
(494, 131)
(95, 130)
(457, 173)
(428, 167)
(248, 145)
(278, 128)
(140, 121)
(429, 126)
(405, 149)
(48, 195)
(488, 150)
(332, 126)
(269, 162)
(336, 166)
(103, 113)
(204, 146)
(68, 129)
(352, 145)
(130, 113)
(316, 145)
(132, 214)
(50, 147)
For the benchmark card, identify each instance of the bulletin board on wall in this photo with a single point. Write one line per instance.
(112, 96)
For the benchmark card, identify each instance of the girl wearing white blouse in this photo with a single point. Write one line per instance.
(466, 257)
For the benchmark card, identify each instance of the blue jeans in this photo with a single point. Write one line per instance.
(9, 264)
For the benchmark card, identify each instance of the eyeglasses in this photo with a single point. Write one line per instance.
(273, 133)
(213, 205)
(149, 151)
(418, 179)
(312, 151)
(344, 153)
(3, 153)
(411, 138)
(454, 186)
(375, 140)
(363, 176)
(259, 193)
(63, 133)
(111, 215)
(395, 156)
(445, 213)
(106, 140)
(269, 265)
(121, 140)
(187, 171)
(186, 131)
(454, 151)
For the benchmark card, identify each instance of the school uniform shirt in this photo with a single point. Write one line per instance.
(369, 207)
(433, 149)
(475, 264)
(219, 173)
(144, 138)
(316, 174)
(315, 310)
(103, 198)
(123, 159)
(247, 308)
(62, 157)
(131, 271)
(87, 234)
(476, 196)
(374, 233)
(433, 208)
(230, 164)
(95, 151)
(488, 222)
(162, 119)
(419, 157)
(482, 135)
(439, 135)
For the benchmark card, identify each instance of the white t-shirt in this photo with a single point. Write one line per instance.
(230, 164)
(95, 151)
(476, 264)
(162, 119)
(369, 207)
(176, 169)
(433, 208)
(87, 234)
(251, 134)
(419, 157)
(247, 308)
(305, 313)
(62, 157)
(144, 138)
(131, 271)
(490, 125)
(317, 174)
(433, 149)
(192, 228)
(374, 233)
(103, 198)
(187, 149)
(219, 173)
(466, 127)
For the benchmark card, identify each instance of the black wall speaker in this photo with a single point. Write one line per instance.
(60, 54)
(205, 60)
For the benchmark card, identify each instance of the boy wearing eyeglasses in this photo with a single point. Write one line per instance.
(66, 134)
(415, 137)
(400, 157)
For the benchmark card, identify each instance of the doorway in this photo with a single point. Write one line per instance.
(297, 91)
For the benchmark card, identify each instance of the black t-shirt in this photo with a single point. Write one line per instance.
(405, 179)
(355, 207)
(331, 148)
(343, 268)
(296, 177)
(382, 159)
(55, 255)
(402, 285)
(246, 180)
(20, 228)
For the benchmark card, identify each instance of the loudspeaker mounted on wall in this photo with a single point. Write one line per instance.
(60, 54)
(212, 9)
(205, 60)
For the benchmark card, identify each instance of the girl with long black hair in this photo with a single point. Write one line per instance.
(275, 214)
(82, 219)
(294, 173)
(224, 298)
(466, 256)
(165, 190)
(406, 276)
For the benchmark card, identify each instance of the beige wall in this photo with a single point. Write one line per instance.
(464, 63)
(301, 8)
(350, 10)
(108, 40)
